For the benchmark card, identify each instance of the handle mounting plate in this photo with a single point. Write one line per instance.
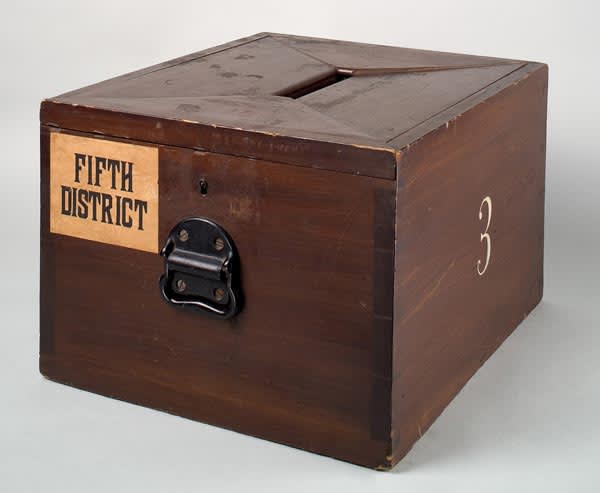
(201, 269)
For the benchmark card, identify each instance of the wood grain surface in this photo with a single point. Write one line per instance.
(352, 179)
(447, 318)
(299, 365)
(214, 100)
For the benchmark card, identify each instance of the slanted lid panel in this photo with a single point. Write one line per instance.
(266, 114)
(384, 106)
(168, 63)
(443, 117)
(361, 57)
(261, 67)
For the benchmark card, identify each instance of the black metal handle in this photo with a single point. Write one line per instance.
(201, 269)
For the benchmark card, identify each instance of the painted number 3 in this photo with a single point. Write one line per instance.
(487, 201)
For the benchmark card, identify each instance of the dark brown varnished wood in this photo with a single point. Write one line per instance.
(409, 98)
(368, 58)
(213, 99)
(350, 178)
(447, 319)
(262, 67)
(336, 153)
(300, 355)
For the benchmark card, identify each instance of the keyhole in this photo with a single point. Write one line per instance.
(203, 186)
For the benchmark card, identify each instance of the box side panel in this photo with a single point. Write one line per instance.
(469, 251)
(306, 363)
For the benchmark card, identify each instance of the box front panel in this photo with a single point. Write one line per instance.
(307, 360)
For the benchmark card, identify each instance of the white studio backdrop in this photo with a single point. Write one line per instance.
(528, 421)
